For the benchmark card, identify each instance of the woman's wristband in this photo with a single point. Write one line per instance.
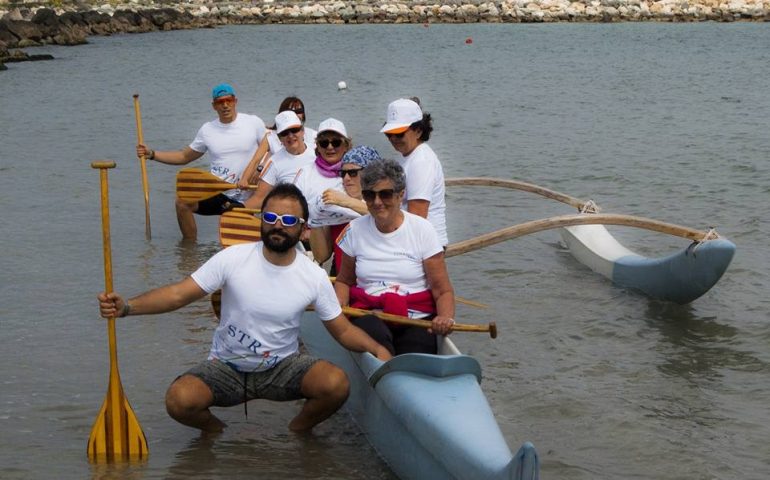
(151, 156)
(126, 309)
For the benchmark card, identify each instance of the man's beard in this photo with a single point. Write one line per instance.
(279, 241)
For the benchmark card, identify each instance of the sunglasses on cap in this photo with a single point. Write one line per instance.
(353, 172)
(335, 142)
(385, 195)
(224, 100)
(286, 220)
(294, 130)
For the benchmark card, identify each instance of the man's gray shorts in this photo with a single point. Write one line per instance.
(231, 387)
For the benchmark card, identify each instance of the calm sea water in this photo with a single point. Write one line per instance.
(664, 121)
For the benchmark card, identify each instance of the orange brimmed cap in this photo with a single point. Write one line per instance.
(402, 113)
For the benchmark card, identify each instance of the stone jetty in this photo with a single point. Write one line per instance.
(66, 22)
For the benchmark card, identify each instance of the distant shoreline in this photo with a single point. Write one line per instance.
(25, 24)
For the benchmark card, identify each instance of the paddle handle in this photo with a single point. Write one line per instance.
(414, 322)
(103, 166)
(143, 164)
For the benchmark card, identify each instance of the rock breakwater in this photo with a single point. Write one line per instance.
(31, 24)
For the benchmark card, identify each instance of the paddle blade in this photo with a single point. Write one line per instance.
(116, 435)
(238, 226)
(194, 185)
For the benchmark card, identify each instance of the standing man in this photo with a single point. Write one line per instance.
(266, 287)
(231, 141)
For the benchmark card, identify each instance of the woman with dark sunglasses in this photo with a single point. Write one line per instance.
(341, 204)
(332, 143)
(271, 142)
(408, 129)
(393, 261)
(287, 162)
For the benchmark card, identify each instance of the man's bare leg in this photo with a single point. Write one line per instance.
(326, 387)
(188, 400)
(184, 215)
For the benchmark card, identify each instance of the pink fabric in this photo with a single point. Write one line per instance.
(327, 170)
(393, 302)
(335, 231)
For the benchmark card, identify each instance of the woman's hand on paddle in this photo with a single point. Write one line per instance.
(441, 325)
(110, 304)
(243, 183)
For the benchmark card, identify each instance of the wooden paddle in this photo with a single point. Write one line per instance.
(413, 322)
(534, 226)
(194, 185)
(116, 434)
(143, 163)
(519, 185)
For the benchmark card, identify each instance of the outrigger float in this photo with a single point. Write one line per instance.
(680, 277)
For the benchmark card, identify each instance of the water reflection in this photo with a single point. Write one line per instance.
(697, 347)
(118, 471)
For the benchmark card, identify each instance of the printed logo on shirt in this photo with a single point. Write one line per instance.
(342, 234)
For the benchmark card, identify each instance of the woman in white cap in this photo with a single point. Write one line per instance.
(331, 142)
(408, 129)
(286, 163)
(345, 202)
(271, 143)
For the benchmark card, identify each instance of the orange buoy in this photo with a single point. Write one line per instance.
(468, 41)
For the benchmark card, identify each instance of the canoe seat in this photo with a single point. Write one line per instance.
(438, 366)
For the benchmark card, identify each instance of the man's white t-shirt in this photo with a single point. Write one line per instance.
(313, 184)
(262, 304)
(390, 262)
(230, 146)
(425, 181)
(283, 166)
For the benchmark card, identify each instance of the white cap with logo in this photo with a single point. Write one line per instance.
(332, 125)
(401, 114)
(286, 120)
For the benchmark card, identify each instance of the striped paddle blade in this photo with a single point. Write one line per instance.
(239, 226)
(116, 435)
(194, 185)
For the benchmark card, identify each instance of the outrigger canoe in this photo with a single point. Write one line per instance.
(680, 277)
(426, 415)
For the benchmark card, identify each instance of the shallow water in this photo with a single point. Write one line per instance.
(664, 121)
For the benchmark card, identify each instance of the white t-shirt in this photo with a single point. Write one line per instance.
(425, 181)
(230, 146)
(262, 304)
(283, 167)
(275, 143)
(390, 262)
(313, 184)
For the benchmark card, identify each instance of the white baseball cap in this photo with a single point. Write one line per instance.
(286, 120)
(401, 114)
(332, 125)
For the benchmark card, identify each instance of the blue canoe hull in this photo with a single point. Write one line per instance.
(424, 414)
(681, 277)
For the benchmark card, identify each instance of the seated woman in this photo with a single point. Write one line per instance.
(393, 261)
(340, 204)
(332, 142)
(271, 142)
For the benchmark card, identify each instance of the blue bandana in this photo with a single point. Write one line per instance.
(362, 155)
